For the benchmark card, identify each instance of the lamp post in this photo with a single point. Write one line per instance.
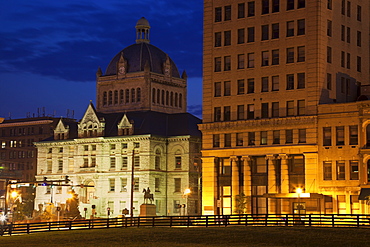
(299, 192)
(186, 194)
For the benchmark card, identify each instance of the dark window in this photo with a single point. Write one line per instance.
(348, 9)
(275, 31)
(359, 64)
(217, 114)
(241, 61)
(218, 39)
(358, 38)
(275, 6)
(251, 138)
(250, 111)
(342, 32)
(241, 10)
(359, 13)
(328, 54)
(216, 140)
(275, 83)
(328, 81)
(327, 136)
(228, 13)
(251, 8)
(327, 170)
(290, 4)
(265, 32)
(227, 63)
(275, 109)
(241, 35)
(290, 28)
(354, 169)
(265, 58)
(265, 110)
(217, 64)
(301, 4)
(227, 38)
(339, 135)
(290, 108)
(227, 88)
(250, 34)
(302, 136)
(301, 107)
(227, 113)
(241, 86)
(290, 55)
(265, 6)
(329, 28)
(275, 57)
(276, 137)
(301, 77)
(265, 84)
(218, 14)
(330, 4)
(348, 35)
(301, 54)
(250, 60)
(301, 27)
(217, 89)
(289, 81)
(227, 140)
(240, 114)
(353, 135)
(288, 136)
(250, 85)
(343, 8)
(341, 170)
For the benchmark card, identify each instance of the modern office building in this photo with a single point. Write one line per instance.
(138, 137)
(285, 106)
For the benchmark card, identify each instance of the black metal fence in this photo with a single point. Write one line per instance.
(288, 220)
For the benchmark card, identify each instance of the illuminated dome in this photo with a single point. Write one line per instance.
(142, 53)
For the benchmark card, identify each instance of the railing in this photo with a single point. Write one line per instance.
(314, 220)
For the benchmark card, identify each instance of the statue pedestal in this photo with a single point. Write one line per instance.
(147, 210)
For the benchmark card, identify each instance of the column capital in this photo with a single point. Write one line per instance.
(246, 158)
(233, 157)
(284, 156)
(270, 156)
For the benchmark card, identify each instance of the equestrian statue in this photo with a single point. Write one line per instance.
(148, 196)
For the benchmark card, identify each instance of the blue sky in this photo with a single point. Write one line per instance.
(50, 50)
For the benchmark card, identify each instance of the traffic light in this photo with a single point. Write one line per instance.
(67, 180)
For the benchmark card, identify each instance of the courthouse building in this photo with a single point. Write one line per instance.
(285, 106)
(139, 136)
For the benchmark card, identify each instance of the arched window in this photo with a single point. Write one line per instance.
(176, 99)
(132, 95)
(171, 99)
(368, 171)
(157, 159)
(162, 97)
(153, 95)
(121, 96)
(138, 94)
(368, 136)
(115, 97)
(180, 100)
(105, 98)
(158, 96)
(167, 97)
(127, 96)
(110, 97)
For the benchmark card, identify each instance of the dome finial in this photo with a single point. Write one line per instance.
(142, 31)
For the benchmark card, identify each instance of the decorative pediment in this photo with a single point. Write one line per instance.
(90, 125)
(61, 131)
(125, 127)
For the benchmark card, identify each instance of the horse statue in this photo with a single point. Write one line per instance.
(148, 196)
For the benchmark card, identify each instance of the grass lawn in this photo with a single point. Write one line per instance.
(193, 236)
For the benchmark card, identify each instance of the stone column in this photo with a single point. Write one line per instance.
(209, 186)
(247, 188)
(234, 180)
(271, 183)
(284, 173)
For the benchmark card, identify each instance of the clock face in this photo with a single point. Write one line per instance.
(122, 70)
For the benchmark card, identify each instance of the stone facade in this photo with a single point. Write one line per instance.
(276, 73)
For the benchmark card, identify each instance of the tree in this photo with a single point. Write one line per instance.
(241, 203)
(72, 210)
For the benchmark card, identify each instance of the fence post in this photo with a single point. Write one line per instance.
(70, 225)
(108, 223)
(49, 226)
(246, 219)
(358, 220)
(332, 220)
(153, 224)
(138, 221)
(309, 220)
(286, 220)
(266, 219)
(170, 221)
(28, 228)
(206, 220)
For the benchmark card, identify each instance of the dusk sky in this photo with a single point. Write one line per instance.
(51, 50)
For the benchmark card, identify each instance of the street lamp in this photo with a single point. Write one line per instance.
(299, 192)
(186, 194)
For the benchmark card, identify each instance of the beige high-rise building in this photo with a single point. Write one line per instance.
(285, 106)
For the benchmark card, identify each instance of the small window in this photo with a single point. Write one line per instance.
(265, 32)
(265, 6)
(251, 8)
(227, 38)
(218, 14)
(241, 10)
(218, 39)
(228, 13)
(178, 162)
(227, 63)
(241, 35)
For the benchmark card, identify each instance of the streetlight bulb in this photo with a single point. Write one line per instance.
(14, 194)
(187, 191)
(298, 190)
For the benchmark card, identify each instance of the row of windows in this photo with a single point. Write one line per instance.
(249, 9)
(112, 146)
(19, 166)
(24, 131)
(340, 170)
(19, 155)
(340, 140)
(266, 33)
(293, 54)
(260, 138)
(17, 143)
(267, 110)
(266, 84)
(166, 98)
(122, 96)
(329, 58)
(346, 9)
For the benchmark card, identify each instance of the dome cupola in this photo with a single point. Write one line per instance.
(142, 31)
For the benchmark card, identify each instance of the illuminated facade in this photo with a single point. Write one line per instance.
(139, 136)
(285, 106)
